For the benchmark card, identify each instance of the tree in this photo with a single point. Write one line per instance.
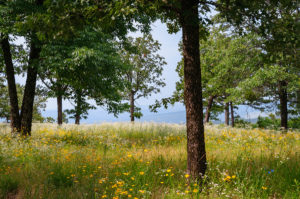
(277, 25)
(185, 14)
(144, 75)
(81, 106)
(34, 20)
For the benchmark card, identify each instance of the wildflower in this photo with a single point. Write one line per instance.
(264, 188)
(161, 182)
(169, 170)
(233, 176)
(129, 196)
(271, 171)
(142, 173)
(126, 174)
(195, 190)
(227, 178)
(104, 196)
(51, 173)
(141, 191)
(186, 175)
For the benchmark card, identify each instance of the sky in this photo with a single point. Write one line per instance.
(169, 50)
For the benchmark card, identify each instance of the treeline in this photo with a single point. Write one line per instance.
(240, 70)
(80, 51)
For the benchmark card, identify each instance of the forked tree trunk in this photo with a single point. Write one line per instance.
(132, 106)
(59, 110)
(208, 108)
(232, 113)
(226, 113)
(283, 104)
(12, 90)
(29, 92)
(196, 155)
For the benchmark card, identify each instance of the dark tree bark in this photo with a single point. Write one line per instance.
(12, 90)
(232, 114)
(196, 155)
(59, 110)
(283, 104)
(208, 108)
(132, 106)
(226, 113)
(29, 92)
(78, 107)
(77, 119)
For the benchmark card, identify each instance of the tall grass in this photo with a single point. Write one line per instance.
(146, 160)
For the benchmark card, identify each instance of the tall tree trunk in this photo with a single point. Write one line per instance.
(77, 119)
(59, 110)
(232, 114)
(196, 155)
(29, 92)
(12, 90)
(283, 104)
(227, 113)
(132, 106)
(208, 108)
(78, 107)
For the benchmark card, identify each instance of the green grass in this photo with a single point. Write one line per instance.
(146, 161)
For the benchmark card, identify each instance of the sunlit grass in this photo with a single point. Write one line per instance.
(123, 160)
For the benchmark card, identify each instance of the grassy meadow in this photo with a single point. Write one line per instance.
(146, 160)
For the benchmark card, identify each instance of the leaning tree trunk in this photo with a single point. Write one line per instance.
(29, 92)
(196, 155)
(132, 106)
(232, 113)
(283, 104)
(12, 90)
(208, 108)
(226, 113)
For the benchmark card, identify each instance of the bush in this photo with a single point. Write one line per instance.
(270, 122)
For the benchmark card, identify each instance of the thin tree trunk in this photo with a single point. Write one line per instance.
(232, 114)
(132, 106)
(59, 109)
(12, 90)
(227, 113)
(29, 92)
(196, 155)
(283, 104)
(208, 108)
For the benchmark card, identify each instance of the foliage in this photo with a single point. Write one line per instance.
(143, 77)
(38, 106)
(272, 122)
